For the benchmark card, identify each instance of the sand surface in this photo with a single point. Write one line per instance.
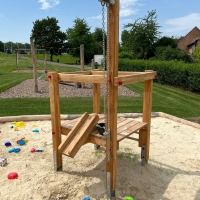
(172, 173)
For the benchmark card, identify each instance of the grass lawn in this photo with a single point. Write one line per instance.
(166, 99)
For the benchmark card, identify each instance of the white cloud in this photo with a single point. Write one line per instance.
(46, 4)
(182, 25)
(127, 7)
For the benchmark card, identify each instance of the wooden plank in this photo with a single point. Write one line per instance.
(80, 136)
(75, 129)
(126, 126)
(134, 78)
(78, 72)
(131, 130)
(82, 78)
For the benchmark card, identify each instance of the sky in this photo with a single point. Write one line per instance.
(176, 17)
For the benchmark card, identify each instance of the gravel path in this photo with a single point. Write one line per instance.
(26, 89)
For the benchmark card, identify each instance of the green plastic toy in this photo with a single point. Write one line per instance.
(129, 198)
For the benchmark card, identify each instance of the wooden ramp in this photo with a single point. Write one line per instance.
(79, 133)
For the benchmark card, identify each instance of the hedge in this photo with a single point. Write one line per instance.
(174, 73)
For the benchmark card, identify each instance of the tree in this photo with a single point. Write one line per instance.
(46, 33)
(166, 41)
(125, 38)
(143, 33)
(1, 46)
(80, 34)
(98, 40)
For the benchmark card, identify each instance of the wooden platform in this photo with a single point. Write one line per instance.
(125, 128)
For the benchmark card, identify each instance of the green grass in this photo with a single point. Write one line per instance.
(166, 99)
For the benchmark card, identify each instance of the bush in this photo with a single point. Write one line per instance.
(174, 73)
(169, 53)
(124, 54)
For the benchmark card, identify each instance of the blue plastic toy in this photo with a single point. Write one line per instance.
(16, 150)
(35, 131)
(7, 143)
(86, 198)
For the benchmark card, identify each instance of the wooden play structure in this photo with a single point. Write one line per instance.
(83, 130)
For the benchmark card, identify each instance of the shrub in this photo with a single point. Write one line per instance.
(174, 73)
(124, 54)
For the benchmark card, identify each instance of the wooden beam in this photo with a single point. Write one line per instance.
(78, 72)
(82, 78)
(144, 134)
(55, 118)
(34, 65)
(112, 59)
(122, 80)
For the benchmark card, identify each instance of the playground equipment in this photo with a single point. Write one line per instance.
(83, 130)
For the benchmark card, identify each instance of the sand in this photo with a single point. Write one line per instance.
(172, 173)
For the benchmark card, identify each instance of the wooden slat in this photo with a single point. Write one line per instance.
(129, 131)
(81, 136)
(75, 129)
(134, 78)
(82, 78)
(78, 72)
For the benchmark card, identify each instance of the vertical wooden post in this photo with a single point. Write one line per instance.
(34, 65)
(96, 98)
(55, 118)
(82, 60)
(45, 64)
(144, 136)
(113, 61)
(17, 65)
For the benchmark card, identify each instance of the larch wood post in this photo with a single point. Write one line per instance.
(82, 60)
(34, 65)
(17, 60)
(111, 163)
(55, 118)
(96, 98)
(45, 64)
(144, 136)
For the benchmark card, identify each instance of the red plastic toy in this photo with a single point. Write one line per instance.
(12, 175)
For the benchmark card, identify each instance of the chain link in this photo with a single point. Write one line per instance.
(106, 77)
(108, 86)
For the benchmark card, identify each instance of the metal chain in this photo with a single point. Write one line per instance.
(104, 55)
(108, 87)
(107, 82)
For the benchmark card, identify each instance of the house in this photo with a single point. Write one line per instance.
(190, 41)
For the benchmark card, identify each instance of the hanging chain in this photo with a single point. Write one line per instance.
(104, 55)
(108, 85)
(106, 77)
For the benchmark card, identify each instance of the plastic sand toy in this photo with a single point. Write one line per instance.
(129, 198)
(3, 161)
(12, 175)
(16, 150)
(7, 143)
